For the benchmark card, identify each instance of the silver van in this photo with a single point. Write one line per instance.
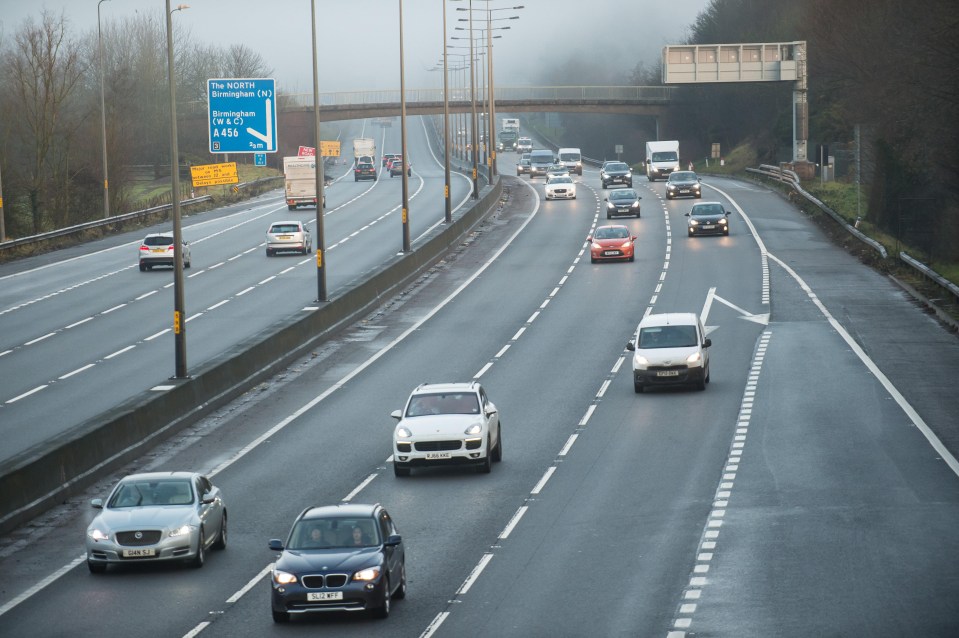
(539, 161)
(670, 349)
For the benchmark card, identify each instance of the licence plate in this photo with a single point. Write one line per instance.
(438, 455)
(158, 250)
(609, 253)
(668, 373)
(708, 226)
(315, 596)
(138, 553)
(683, 190)
(284, 236)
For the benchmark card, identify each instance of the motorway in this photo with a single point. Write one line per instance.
(82, 330)
(809, 490)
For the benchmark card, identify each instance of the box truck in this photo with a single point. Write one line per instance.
(300, 174)
(662, 158)
(364, 147)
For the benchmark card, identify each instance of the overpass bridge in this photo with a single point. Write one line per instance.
(351, 105)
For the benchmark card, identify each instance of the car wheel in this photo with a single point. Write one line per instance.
(604, 185)
(400, 470)
(608, 216)
(143, 268)
(699, 196)
(630, 183)
(281, 617)
(200, 557)
(149, 267)
(400, 592)
(632, 258)
(726, 233)
(96, 568)
(668, 196)
(188, 264)
(592, 259)
(707, 373)
(383, 611)
(221, 537)
(498, 452)
(355, 178)
(269, 253)
(486, 466)
(637, 387)
(291, 207)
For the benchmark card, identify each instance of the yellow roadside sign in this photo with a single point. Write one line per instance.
(329, 149)
(213, 174)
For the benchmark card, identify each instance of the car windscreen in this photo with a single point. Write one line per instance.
(611, 233)
(334, 532)
(683, 176)
(622, 194)
(616, 166)
(443, 403)
(667, 337)
(560, 179)
(541, 158)
(569, 157)
(707, 209)
(152, 492)
(665, 156)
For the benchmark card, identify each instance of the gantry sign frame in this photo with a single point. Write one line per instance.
(754, 62)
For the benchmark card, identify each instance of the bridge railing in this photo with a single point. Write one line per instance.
(643, 94)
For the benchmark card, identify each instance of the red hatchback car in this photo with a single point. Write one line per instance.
(611, 242)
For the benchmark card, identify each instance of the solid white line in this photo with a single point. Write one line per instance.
(480, 566)
(359, 488)
(542, 482)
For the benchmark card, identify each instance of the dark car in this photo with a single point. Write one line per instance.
(364, 170)
(683, 184)
(346, 557)
(622, 201)
(616, 173)
(396, 168)
(708, 218)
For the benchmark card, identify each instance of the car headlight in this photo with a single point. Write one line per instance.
(695, 358)
(403, 432)
(693, 222)
(476, 428)
(595, 246)
(627, 243)
(639, 361)
(370, 573)
(611, 206)
(283, 578)
(97, 534)
(635, 204)
(723, 221)
(181, 531)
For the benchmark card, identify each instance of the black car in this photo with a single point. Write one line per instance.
(616, 173)
(683, 184)
(346, 557)
(364, 170)
(622, 201)
(708, 218)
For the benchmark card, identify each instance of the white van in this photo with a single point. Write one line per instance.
(670, 349)
(571, 159)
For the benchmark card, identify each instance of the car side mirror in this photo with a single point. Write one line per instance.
(648, 161)
(97, 503)
(393, 540)
(707, 342)
(631, 346)
(397, 414)
(208, 499)
(727, 212)
(687, 214)
(276, 545)
(589, 238)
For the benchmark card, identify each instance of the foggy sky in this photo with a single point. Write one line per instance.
(358, 41)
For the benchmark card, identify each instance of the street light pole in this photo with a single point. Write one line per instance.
(179, 311)
(473, 131)
(406, 157)
(103, 118)
(446, 125)
(321, 294)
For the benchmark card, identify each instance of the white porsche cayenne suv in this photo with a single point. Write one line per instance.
(447, 424)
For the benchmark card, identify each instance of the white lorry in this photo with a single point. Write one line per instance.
(662, 158)
(364, 147)
(511, 123)
(300, 174)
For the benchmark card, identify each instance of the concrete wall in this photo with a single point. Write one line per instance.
(49, 473)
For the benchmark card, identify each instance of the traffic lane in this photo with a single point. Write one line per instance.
(841, 512)
(608, 542)
(916, 352)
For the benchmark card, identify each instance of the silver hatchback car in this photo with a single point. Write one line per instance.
(288, 236)
(157, 516)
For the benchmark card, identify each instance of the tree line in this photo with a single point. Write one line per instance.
(50, 125)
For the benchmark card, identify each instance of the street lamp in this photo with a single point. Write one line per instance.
(321, 294)
(406, 157)
(446, 126)
(103, 118)
(179, 312)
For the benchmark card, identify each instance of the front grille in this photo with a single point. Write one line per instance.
(474, 445)
(147, 537)
(404, 447)
(318, 581)
(437, 446)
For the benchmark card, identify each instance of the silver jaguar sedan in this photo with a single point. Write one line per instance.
(155, 517)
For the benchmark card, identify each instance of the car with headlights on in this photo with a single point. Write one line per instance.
(556, 169)
(524, 145)
(288, 236)
(683, 184)
(611, 243)
(522, 166)
(447, 424)
(157, 516)
(670, 349)
(707, 218)
(616, 173)
(622, 201)
(560, 187)
(338, 558)
(156, 249)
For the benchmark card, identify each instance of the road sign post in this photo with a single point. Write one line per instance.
(242, 115)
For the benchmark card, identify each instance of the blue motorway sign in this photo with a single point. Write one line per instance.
(242, 115)
(259, 159)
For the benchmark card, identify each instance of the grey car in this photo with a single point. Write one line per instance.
(622, 201)
(156, 249)
(683, 184)
(708, 218)
(616, 173)
(157, 516)
(286, 236)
